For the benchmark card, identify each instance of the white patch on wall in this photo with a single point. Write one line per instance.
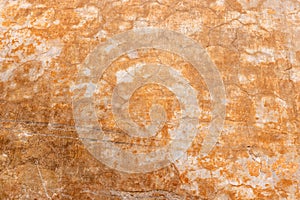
(90, 88)
(54, 48)
(248, 18)
(191, 26)
(5, 75)
(295, 74)
(87, 72)
(56, 22)
(140, 22)
(123, 77)
(260, 55)
(133, 54)
(268, 21)
(220, 2)
(100, 34)
(25, 5)
(86, 13)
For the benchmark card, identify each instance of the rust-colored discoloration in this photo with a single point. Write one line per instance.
(255, 47)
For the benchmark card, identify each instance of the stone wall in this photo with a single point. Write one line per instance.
(149, 99)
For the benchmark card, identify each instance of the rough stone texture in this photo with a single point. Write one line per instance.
(254, 45)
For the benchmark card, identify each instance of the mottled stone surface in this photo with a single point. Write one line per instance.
(150, 99)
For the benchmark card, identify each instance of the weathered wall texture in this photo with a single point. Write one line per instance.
(84, 111)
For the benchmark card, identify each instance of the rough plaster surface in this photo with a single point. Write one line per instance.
(150, 99)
